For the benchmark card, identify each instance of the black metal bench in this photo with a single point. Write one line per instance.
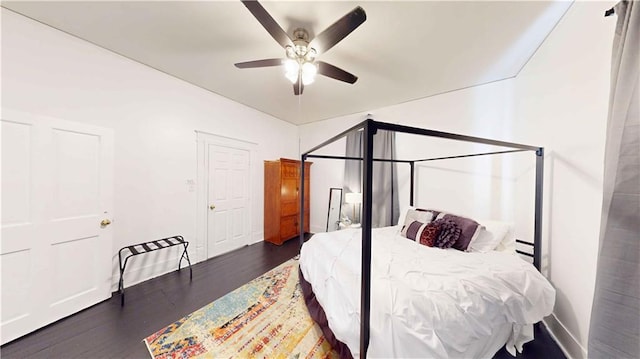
(147, 247)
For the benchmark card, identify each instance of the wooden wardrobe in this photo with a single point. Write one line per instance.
(282, 201)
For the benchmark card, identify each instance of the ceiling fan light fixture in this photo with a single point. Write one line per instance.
(291, 52)
(310, 55)
(291, 70)
(309, 71)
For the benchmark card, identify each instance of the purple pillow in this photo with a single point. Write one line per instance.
(469, 230)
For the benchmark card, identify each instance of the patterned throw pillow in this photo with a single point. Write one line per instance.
(414, 230)
(449, 233)
(413, 216)
(429, 234)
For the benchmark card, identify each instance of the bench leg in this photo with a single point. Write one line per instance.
(185, 255)
(121, 282)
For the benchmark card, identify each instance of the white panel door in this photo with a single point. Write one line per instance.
(228, 195)
(57, 187)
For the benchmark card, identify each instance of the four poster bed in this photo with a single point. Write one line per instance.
(428, 301)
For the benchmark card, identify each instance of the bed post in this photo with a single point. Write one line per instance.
(412, 164)
(301, 236)
(537, 225)
(367, 180)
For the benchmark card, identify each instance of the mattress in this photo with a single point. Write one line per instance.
(425, 302)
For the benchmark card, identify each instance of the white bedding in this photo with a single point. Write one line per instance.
(425, 302)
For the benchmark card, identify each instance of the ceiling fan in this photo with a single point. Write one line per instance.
(300, 63)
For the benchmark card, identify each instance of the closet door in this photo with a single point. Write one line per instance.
(228, 196)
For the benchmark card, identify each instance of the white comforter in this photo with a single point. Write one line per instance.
(425, 302)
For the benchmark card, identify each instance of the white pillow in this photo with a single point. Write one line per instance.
(403, 215)
(491, 236)
(508, 243)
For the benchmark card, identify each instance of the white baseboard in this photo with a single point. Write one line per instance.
(256, 237)
(566, 341)
(317, 229)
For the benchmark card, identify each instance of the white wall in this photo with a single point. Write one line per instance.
(154, 118)
(561, 100)
(325, 173)
(558, 101)
(471, 182)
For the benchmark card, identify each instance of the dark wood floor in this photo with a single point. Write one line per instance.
(108, 330)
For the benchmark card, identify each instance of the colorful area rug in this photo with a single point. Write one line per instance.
(265, 318)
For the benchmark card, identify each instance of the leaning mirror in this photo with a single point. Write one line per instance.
(335, 204)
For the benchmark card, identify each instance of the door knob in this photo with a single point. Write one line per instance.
(212, 207)
(105, 222)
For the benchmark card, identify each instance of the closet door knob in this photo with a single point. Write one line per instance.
(212, 207)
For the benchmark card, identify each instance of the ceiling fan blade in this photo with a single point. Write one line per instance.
(268, 23)
(298, 87)
(259, 63)
(335, 72)
(339, 30)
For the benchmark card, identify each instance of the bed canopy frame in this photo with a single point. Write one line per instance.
(370, 128)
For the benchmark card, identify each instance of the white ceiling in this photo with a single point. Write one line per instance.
(404, 51)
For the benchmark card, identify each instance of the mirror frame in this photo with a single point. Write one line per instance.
(334, 191)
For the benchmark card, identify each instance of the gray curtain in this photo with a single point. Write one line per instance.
(353, 169)
(386, 207)
(615, 318)
(352, 175)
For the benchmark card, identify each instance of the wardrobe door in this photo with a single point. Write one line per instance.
(272, 207)
(289, 201)
(289, 227)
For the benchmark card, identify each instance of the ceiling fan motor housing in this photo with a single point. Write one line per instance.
(300, 50)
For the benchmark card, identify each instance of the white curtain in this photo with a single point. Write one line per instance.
(386, 207)
(615, 317)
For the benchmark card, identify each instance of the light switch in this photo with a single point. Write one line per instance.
(191, 185)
